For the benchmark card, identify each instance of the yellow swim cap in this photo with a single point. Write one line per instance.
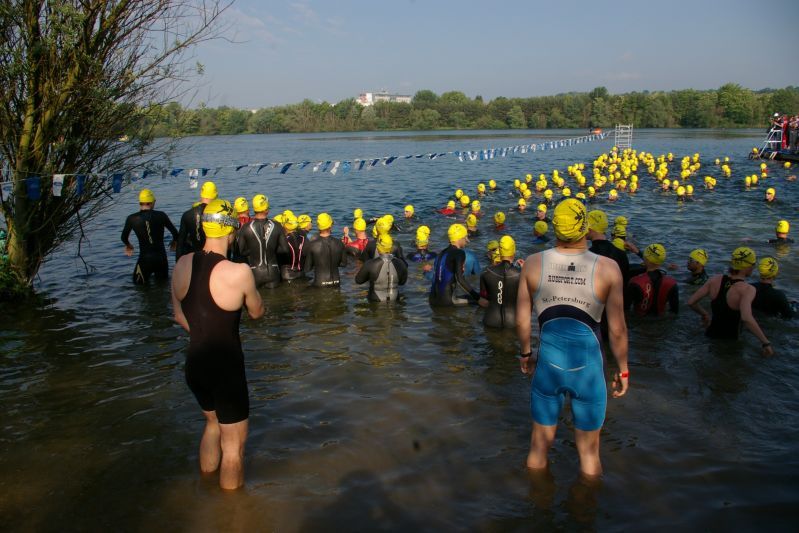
(358, 213)
(456, 232)
(517, 183)
(612, 193)
(499, 217)
(619, 231)
(385, 243)
(409, 209)
(471, 221)
(481, 187)
(768, 268)
(146, 196)
(541, 227)
(324, 221)
(522, 202)
(241, 205)
(548, 194)
(289, 222)
(507, 246)
(288, 212)
(527, 194)
(689, 190)
(492, 184)
(591, 190)
(458, 194)
(422, 241)
(699, 255)
(423, 230)
(492, 245)
(770, 190)
(570, 220)
(465, 200)
(655, 254)
(620, 221)
(742, 258)
(476, 206)
(359, 224)
(597, 221)
(523, 187)
(219, 219)
(304, 221)
(260, 203)
(580, 196)
(680, 191)
(618, 242)
(451, 204)
(383, 225)
(566, 192)
(782, 227)
(542, 208)
(208, 190)
(279, 218)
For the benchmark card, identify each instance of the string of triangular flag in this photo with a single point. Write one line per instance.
(33, 183)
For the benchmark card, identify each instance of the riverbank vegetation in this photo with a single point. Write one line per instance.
(729, 106)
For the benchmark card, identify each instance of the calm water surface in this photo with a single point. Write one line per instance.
(372, 417)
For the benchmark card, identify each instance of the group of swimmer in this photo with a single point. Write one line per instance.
(579, 291)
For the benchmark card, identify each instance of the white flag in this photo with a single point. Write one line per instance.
(335, 167)
(58, 184)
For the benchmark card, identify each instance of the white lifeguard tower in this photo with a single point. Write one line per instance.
(623, 136)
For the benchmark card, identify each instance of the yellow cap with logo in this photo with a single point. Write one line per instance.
(782, 227)
(260, 203)
(540, 227)
(241, 205)
(507, 246)
(304, 221)
(743, 258)
(289, 222)
(570, 220)
(208, 190)
(768, 267)
(457, 232)
(699, 255)
(597, 221)
(471, 221)
(219, 219)
(384, 243)
(655, 254)
(499, 217)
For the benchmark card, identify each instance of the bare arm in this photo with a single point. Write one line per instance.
(745, 307)
(252, 298)
(524, 311)
(693, 303)
(617, 327)
(180, 278)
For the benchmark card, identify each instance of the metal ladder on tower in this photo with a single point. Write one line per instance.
(623, 138)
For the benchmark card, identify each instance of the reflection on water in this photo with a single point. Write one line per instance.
(370, 416)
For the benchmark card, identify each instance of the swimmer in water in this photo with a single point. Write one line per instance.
(499, 221)
(291, 264)
(148, 225)
(422, 252)
(492, 253)
(651, 292)
(569, 288)
(697, 260)
(471, 225)
(208, 294)
(540, 229)
(385, 273)
(382, 227)
(449, 210)
(305, 225)
(261, 241)
(522, 205)
(190, 235)
(355, 247)
(541, 213)
(242, 210)
(731, 301)
(325, 254)
(499, 284)
(769, 299)
(600, 245)
(781, 231)
(771, 195)
(448, 272)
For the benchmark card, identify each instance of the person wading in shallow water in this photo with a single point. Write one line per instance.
(570, 287)
(208, 293)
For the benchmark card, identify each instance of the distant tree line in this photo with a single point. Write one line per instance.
(730, 106)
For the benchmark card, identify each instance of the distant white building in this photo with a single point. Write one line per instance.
(367, 99)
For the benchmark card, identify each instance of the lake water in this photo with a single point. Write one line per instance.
(372, 417)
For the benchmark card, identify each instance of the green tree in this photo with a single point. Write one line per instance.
(424, 99)
(736, 104)
(75, 76)
(516, 119)
(425, 119)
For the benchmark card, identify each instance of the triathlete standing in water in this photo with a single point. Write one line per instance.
(208, 293)
(148, 225)
(385, 273)
(731, 301)
(260, 241)
(499, 285)
(325, 254)
(448, 272)
(570, 287)
(292, 261)
(191, 237)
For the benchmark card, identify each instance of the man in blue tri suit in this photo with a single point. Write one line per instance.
(569, 287)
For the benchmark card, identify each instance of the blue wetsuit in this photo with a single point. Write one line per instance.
(472, 265)
(570, 357)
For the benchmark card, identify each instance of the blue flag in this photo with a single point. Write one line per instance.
(33, 187)
(175, 172)
(80, 183)
(286, 168)
(116, 181)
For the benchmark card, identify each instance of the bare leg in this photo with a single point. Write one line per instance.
(540, 442)
(233, 438)
(210, 447)
(588, 448)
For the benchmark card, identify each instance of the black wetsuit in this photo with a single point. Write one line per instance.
(214, 361)
(260, 241)
(771, 301)
(191, 237)
(385, 273)
(292, 261)
(447, 274)
(781, 240)
(148, 225)
(324, 255)
(697, 279)
(499, 285)
(370, 251)
(608, 249)
(725, 322)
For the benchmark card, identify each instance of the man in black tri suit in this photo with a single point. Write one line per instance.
(385, 273)
(148, 225)
(191, 237)
(260, 241)
(498, 287)
(325, 254)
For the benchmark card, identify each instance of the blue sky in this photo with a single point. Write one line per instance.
(285, 52)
